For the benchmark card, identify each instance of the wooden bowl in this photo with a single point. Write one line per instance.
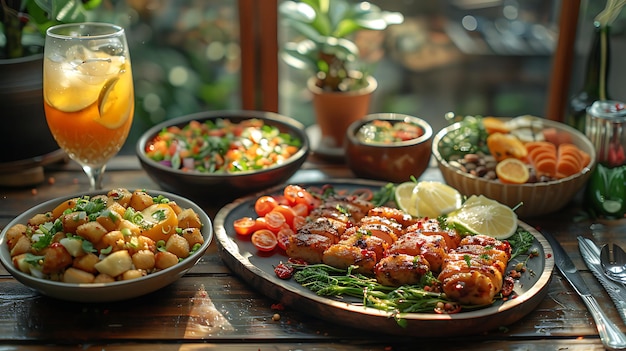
(535, 198)
(394, 162)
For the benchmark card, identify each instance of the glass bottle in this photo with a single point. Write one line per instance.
(596, 79)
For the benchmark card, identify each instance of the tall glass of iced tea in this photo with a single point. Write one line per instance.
(88, 92)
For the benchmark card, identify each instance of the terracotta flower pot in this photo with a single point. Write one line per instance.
(335, 111)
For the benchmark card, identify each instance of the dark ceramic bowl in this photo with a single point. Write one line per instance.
(393, 162)
(205, 187)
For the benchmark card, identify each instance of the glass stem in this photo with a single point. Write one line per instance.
(95, 176)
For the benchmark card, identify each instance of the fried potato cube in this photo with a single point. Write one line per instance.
(188, 218)
(115, 263)
(133, 274)
(72, 221)
(135, 230)
(86, 262)
(119, 196)
(20, 263)
(14, 233)
(74, 275)
(114, 239)
(103, 278)
(165, 259)
(55, 259)
(40, 218)
(110, 220)
(144, 259)
(140, 200)
(22, 245)
(193, 236)
(92, 231)
(177, 245)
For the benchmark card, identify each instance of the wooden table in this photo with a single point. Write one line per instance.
(210, 308)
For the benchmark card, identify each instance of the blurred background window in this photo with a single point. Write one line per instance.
(470, 57)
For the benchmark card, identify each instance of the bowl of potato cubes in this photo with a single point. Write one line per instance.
(105, 245)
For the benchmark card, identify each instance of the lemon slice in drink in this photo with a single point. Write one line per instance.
(481, 215)
(115, 102)
(66, 90)
(427, 198)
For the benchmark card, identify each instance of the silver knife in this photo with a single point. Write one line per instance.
(591, 254)
(610, 335)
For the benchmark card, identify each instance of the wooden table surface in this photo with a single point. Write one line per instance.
(211, 308)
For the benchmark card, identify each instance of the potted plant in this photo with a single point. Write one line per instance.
(24, 23)
(340, 82)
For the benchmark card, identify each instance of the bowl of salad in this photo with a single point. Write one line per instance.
(534, 165)
(388, 146)
(223, 154)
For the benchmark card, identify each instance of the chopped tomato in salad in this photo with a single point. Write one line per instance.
(222, 146)
(385, 132)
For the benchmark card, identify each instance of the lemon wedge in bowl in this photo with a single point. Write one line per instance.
(427, 198)
(481, 215)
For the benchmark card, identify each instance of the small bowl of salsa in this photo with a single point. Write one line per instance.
(388, 146)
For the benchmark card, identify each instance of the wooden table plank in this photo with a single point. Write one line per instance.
(210, 308)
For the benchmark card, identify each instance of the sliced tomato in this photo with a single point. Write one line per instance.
(283, 237)
(296, 194)
(287, 212)
(247, 225)
(300, 210)
(264, 240)
(264, 205)
(275, 221)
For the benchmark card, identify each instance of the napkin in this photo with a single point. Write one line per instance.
(591, 255)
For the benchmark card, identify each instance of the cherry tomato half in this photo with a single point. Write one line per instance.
(264, 205)
(247, 225)
(275, 220)
(296, 194)
(264, 240)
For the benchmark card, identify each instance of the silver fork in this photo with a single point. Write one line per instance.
(615, 268)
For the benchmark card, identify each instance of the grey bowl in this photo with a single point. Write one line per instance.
(223, 187)
(105, 292)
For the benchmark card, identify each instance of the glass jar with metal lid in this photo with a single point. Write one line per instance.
(606, 128)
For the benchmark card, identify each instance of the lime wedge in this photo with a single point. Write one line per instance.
(481, 215)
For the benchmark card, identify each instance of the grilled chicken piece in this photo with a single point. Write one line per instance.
(345, 255)
(347, 209)
(395, 227)
(473, 273)
(328, 227)
(399, 216)
(432, 227)
(431, 247)
(487, 241)
(308, 247)
(488, 255)
(364, 240)
(401, 269)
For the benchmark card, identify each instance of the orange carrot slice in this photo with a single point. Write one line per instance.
(530, 146)
(545, 166)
